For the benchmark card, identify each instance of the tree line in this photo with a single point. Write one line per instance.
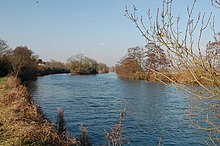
(140, 62)
(23, 63)
(82, 65)
(152, 63)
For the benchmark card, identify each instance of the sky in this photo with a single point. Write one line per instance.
(59, 29)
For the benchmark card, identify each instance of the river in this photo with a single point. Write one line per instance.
(154, 113)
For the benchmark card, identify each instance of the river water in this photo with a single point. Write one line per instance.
(154, 113)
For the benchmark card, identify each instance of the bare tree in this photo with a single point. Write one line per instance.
(156, 58)
(3, 47)
(53, 64)
(137, 53)
(80, 64)
(131, 66)
(185, 51)
(23, 62)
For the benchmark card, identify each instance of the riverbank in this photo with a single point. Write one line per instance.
(21, 122)
(182, 77)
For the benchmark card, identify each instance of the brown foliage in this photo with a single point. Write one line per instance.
(23, 62)
(139, 63)
(129, 68)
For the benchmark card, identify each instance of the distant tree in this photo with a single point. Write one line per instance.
(80, 64)
(53, 64)
(155, 57)
(3, 47)
(129, 68)
(132, 65)
(137, 53)
(4, 66)
(4, 63)
(213, 54)
(112, 69)
(23, 63)
(103, 68)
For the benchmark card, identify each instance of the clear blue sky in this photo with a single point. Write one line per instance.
(58, 29)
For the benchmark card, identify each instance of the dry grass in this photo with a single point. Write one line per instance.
(2, 80)
(21, 122)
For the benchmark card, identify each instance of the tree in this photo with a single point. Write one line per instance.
(53, 64)
(129, 68)
(213, 54)
(139, 61)
(82, 65)
(137, 53)
(23, 63)
(112, 69)
(4, 66)
(185, 54)
(102, 68)
(3, 48)
(131, 65)
(4, 63)
(156, 58)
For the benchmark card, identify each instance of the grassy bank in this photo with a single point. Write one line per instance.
(21, 122)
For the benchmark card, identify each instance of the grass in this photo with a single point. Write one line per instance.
(21, 122)
(2, 79)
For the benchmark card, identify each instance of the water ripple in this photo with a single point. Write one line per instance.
(154, 112)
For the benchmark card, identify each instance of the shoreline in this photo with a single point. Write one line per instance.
(22, 122)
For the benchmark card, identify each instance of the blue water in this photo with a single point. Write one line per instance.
(155, 113)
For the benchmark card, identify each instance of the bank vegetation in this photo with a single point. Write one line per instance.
(22, 122)
(24, 64)
(188, 63)
(82, 65)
